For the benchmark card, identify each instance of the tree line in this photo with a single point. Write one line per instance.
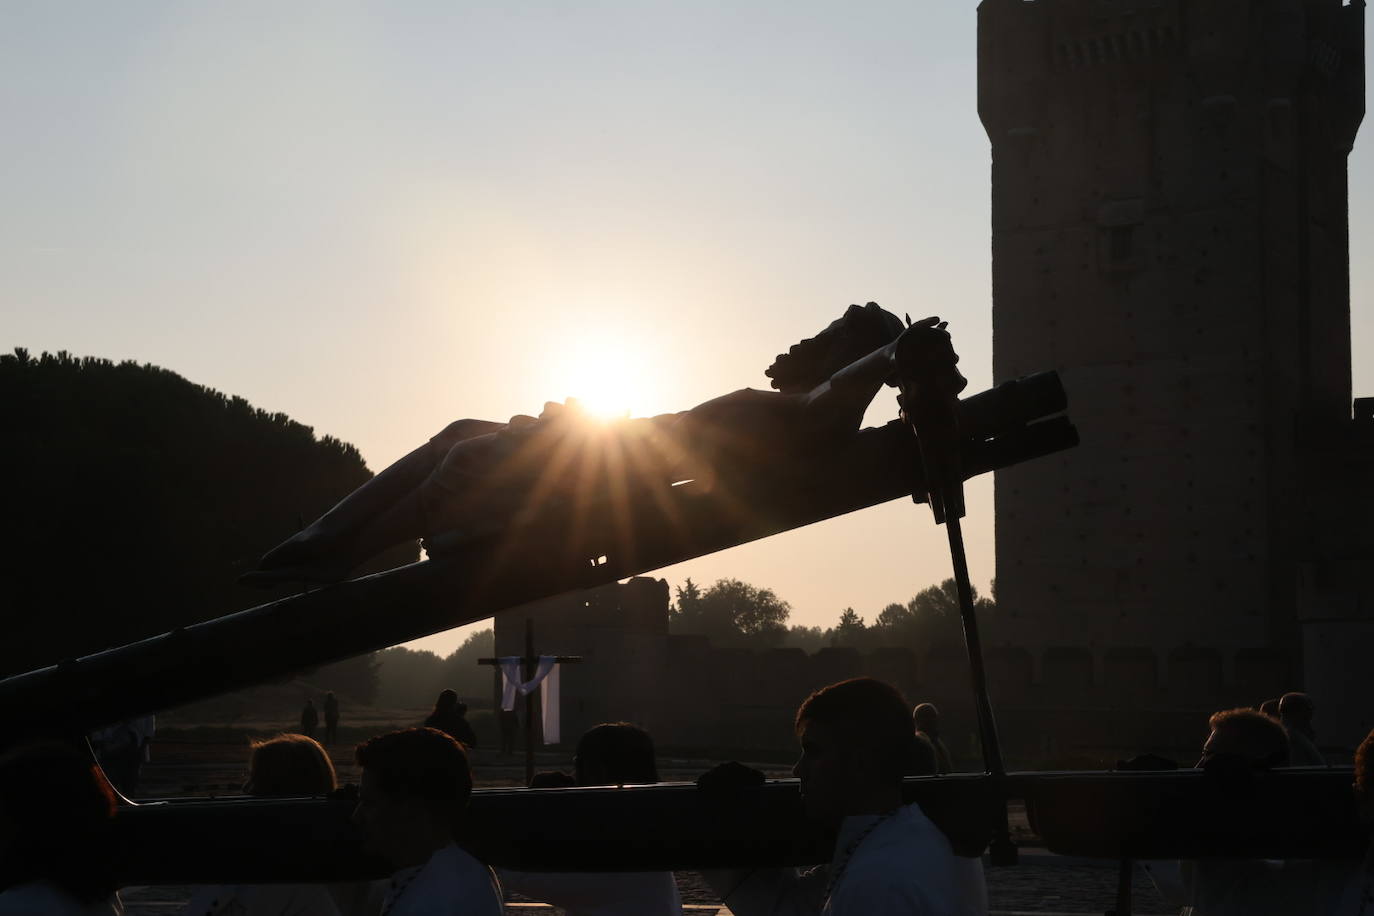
(732, 613)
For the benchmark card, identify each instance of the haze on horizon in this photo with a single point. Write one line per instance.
(383, 218)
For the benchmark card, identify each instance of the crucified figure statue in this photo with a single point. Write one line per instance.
(477, 474)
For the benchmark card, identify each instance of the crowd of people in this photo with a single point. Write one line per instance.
(859, 739)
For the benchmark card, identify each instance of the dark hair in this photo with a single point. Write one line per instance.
(861, 330)
(1296, 705)
(926, 718)
(867, 714)
(289, 765)
(620, 753)
(422, 763)
(1265, 740)
(62, 809)
(447, 700)
(1270, 708)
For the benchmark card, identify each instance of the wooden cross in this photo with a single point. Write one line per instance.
(528, 664)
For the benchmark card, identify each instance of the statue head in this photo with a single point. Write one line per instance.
(858, 332)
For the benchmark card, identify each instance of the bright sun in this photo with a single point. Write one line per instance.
(610, 378)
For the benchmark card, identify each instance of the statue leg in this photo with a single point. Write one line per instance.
(365, 522)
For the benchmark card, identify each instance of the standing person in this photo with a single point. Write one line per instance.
(56, 813)
(926, 719)
(331, 718)
(1295, 712)
(610, 754)
(450, 717)
(856, 740)
(415, 788)
(310, 719)
(284, 766)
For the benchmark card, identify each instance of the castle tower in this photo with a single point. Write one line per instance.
(1169, 230)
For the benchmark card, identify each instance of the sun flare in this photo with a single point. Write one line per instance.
(610, 378)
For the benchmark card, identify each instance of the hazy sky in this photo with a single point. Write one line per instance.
(381, 217)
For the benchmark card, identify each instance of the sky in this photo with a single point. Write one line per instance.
(380, 217)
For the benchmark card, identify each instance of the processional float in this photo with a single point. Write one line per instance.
(638, 524)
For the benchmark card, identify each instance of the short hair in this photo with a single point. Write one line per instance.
(926, 717)
(1364, 764)
(622, 753)
(62, 808)
(422, 763)
(1296, 705)
(1270, 708)
(1265, 740)
(866, 714)
(289, 765)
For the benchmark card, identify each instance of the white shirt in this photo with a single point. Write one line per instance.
(451, 883)
(46, 898)
(895, 864)
(639, 893)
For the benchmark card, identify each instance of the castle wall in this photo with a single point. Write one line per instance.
(1169, 231)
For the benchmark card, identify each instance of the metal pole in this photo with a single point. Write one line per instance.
(531, 662)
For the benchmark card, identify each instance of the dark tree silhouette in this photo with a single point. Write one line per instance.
(731, 613)
(134, 498)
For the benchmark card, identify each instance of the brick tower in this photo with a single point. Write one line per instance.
(1169, 230)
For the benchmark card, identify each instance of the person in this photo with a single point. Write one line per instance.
(1358, 896)
(610, 754)
(122, 749)
(414, 789)
(310, 719)
(473, 474)
(1270, 708)
(284, 766)
(1245, 736)
(56, 815)
(926, 719)
(856, 745)
(450, 717)
(331, 718)
(1295, 712)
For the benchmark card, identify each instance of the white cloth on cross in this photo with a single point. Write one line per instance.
(545, 676)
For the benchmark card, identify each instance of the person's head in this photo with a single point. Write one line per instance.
(615, 754)
(310, 703)
(329, 695)
(289, 765)
(1296, 709)
(861, 330)
(1248, 735)
(447, 700)
(415, 785)
(56, 811)
(857, 744)
(1270, 708)
(1364, 780)
(926, 718)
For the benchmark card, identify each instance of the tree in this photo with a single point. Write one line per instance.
(850, 630)
(731, 613)
(135, 498)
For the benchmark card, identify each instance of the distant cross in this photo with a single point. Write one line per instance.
(528, 664)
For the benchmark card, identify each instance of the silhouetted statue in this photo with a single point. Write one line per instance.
(450, 717)
(476, 475)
